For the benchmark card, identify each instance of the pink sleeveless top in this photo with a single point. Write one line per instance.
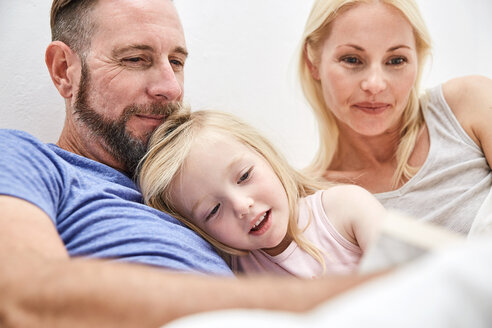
(340, 255)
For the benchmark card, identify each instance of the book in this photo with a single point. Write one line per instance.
(482, 225)
(403, 239)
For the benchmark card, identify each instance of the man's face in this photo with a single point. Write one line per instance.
(120, 143)
(131, 78)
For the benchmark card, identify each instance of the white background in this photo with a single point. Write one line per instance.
(242, 60)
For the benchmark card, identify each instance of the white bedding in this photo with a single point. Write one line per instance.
(452, 288)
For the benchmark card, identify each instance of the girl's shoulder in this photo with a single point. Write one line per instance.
(345, 193)
(349, 203)
(353, 211)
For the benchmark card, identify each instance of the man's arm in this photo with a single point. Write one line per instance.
(40, 286)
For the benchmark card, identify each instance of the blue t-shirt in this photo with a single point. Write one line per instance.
(98, 210)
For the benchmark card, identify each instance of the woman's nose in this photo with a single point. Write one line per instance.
(374, 82)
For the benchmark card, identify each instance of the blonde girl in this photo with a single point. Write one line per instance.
(221, 178)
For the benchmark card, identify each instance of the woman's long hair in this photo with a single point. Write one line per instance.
(317, 28)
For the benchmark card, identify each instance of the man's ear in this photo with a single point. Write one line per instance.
(311, 66)
(64, 67)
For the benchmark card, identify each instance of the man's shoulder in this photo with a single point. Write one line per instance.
(9, 133)
(23, 146)
(19, 139)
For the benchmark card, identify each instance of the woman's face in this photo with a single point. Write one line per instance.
(367, 67)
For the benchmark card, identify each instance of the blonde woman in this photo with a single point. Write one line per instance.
(360, 68)
(225, 181)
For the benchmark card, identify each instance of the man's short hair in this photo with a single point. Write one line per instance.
(72, 23)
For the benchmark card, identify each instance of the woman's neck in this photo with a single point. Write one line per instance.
(370, 162)
(356, 152)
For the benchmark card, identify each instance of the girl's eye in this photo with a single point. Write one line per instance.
(213, 212)
(397, 61)
(245, 176)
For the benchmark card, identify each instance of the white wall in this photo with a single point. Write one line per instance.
(241, 60)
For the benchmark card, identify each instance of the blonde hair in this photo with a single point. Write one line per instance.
(170, 145)
(317, 28)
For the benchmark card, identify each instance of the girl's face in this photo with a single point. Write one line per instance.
(367, 68)
(232, 193)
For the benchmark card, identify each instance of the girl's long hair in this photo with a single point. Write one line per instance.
(170, 145)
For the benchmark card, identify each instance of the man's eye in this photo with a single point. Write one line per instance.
(176, 62)
(137, 61)
(133, 59)
(177, 65)
(213, 212)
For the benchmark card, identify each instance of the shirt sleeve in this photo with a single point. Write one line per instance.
(29, 171)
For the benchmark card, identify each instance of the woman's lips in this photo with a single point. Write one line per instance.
(372, 108)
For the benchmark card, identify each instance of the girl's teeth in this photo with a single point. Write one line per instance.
(260, 219)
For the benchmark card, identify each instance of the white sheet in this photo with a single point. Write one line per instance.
(452, 288)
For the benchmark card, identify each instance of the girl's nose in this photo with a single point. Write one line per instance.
(242, 206)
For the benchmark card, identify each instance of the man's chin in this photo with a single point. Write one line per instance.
(126, 149)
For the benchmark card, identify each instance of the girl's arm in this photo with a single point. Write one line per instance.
(354, 212)
(470, 98)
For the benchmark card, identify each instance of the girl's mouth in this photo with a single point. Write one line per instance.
(261, 221)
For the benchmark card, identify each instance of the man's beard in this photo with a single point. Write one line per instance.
(125, 148)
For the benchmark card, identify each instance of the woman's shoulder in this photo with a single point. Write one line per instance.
(466, 88)
(470, 99)
(465, 92)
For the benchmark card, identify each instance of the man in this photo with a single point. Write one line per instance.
(119, 66)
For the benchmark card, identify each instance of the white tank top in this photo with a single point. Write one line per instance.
(341, 256)
(455, 179)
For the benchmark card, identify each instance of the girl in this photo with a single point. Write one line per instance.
(224, 180)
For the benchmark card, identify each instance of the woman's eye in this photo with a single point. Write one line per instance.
(351, 60)
(245, 176)
(213, 212)
(397, 61)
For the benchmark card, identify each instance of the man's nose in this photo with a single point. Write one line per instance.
(165, 84)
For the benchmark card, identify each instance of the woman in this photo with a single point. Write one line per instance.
(360, 69)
